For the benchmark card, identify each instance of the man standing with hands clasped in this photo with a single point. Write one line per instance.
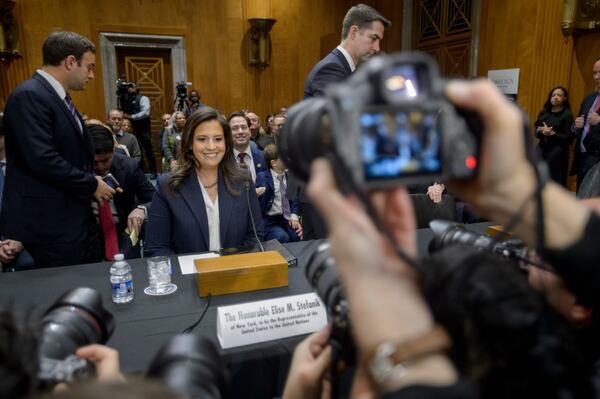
(50, 159)
(587, 128)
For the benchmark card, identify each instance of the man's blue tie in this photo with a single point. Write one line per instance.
(72, 110)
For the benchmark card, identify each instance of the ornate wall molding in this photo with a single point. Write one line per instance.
(9, 31)
(109, 42)
(580, 16)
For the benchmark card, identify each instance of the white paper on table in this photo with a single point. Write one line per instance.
(186, 262)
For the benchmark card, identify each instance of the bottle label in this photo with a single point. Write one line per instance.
(123, 288)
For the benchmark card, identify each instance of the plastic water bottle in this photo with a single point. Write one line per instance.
(121, 280)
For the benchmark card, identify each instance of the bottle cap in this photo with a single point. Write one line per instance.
(119, 257)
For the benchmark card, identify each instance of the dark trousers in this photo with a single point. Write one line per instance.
(586, 162)
(278, 228)
(147, 151)
(313, 225)
(86, 249)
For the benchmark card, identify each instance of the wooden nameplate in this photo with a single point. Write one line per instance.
(240, 273)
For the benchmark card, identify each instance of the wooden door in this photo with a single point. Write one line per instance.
(151, 69)
(444, 29)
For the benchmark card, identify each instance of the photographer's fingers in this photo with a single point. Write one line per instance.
(395, 209)
(484, 98)
(336, 209)
(106, 360)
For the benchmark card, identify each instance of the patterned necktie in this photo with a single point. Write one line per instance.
(587, 127)
(285, 203)
(109, 230)
(72, 109)
(242, 158)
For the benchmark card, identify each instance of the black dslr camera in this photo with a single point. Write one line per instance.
(446, 233)
(76, 319)
(389, 124)
(192, 367)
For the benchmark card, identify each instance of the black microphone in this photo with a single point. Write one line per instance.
(247, 185)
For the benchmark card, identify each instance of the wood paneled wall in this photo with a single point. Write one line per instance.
(526, 34)
(214, 31)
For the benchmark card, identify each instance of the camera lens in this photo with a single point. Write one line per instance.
(76, 319)
(306, 129)
(192, 367)
(447, 233)
(322, 276)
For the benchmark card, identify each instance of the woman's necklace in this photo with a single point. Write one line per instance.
(210, 185)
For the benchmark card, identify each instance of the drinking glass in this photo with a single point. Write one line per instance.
(159, 276)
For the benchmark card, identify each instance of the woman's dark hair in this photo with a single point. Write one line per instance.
(18, 355)
(548, 104)
(504, 336)
(187, 163)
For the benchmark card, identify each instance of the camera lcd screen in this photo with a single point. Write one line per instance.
(399, 143)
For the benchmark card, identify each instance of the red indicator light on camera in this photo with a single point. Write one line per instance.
(471, 162)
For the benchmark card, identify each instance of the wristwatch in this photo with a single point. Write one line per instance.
(394, 360)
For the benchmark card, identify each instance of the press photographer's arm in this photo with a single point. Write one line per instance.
(506, 183)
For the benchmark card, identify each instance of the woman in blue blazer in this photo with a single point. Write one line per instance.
(207, 202)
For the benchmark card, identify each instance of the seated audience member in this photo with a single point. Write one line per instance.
(247, 156)
(203, 205)
(259, 136)
(280, 214)
(278, 122)
(366, 261)
(126, 126)
(171, 141)
(115, 121)
(166, 121)
(254, 125)
(126, 212)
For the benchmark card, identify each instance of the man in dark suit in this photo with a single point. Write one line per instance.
(248, 156)
(49, 175)
(362, 30)
(587, 128)
(130, 205)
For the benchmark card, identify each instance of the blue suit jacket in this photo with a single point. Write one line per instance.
(49, 174)
(259, 159)
(333, 68)
(265, 179)
(177, 223)
(592, 141)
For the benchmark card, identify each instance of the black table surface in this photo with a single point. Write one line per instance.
(146, 323)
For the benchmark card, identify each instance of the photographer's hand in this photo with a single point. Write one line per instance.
(106, 360)
(385, 302)
(311, 361)
(506, 180)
